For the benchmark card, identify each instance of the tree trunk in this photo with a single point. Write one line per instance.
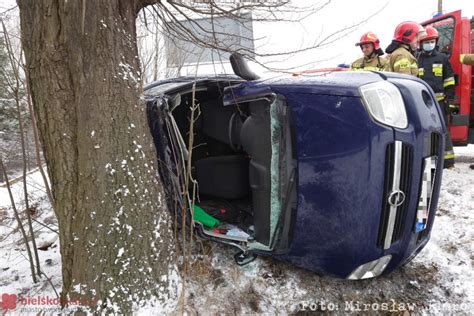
(116, 243)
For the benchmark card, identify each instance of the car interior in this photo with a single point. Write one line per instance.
(230, 160)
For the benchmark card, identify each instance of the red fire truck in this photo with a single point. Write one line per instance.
(455, 38)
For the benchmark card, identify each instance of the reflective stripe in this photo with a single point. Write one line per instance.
(405, 66)
(449, 155)
(421, 72)
(439, 96)
(449, 82)
(366, 68)
(461, 58)
(403, 63)
(438, 70)
(356, 66)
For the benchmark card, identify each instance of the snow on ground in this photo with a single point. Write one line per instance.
(15, 275)
(440, 280)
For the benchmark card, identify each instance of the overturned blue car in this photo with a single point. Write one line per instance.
(336, 172)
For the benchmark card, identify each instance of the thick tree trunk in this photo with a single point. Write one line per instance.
(116, 244)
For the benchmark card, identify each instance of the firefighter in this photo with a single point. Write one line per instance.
(402, 48)
(372, 59)
(467, 59)
(435, 69)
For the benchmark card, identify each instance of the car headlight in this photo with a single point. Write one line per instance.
(370, 269)
(384, 103)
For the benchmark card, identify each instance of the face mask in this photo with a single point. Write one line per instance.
(428, 47)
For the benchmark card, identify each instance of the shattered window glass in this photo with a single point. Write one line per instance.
(275, 198)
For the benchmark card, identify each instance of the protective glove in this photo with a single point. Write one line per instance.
(453, 108)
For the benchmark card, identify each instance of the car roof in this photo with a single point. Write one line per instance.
(189, 79)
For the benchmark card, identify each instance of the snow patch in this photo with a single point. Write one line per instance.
(120, 252)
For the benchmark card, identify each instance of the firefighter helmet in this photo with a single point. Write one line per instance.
(408, 32)
(431, 33)
(369, 37)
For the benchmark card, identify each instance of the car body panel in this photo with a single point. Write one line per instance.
(338, 148)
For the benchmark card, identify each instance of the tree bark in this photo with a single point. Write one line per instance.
(116, 243)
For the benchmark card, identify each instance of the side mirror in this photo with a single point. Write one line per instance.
(241, 68)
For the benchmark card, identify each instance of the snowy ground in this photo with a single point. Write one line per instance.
(440, 280)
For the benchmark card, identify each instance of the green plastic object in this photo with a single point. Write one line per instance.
(202, 217)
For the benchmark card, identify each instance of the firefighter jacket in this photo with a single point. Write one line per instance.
(436, 70)
(376, 63)
(467, 59)
(401, 60)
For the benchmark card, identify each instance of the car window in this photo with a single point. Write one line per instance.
(445, 29)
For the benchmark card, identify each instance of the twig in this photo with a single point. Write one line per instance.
(46, 226)
(51, 283)
(20, 225)
(83, 18)
(16, 68)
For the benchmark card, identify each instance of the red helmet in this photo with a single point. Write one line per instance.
(369, 37)
(407, 32)
(431, 33)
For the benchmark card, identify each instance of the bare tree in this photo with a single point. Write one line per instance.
(82, 61)
(116, 243)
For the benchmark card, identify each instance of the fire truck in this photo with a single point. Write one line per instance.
(455, 38)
